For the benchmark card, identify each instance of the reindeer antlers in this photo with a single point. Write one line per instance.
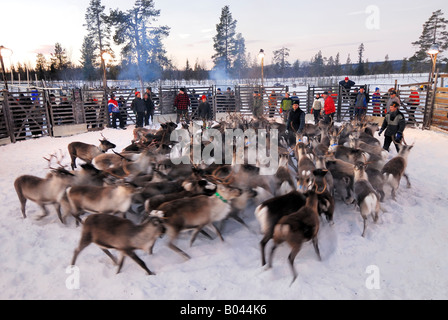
(58, 158)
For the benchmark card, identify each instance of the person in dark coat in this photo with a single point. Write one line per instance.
(139, 108)
(394, 123)
(204, 110)
(149, 108)
(347, 97)
(361, 105)
(295, 123)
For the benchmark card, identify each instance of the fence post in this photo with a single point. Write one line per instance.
(339, 109)
(8, 117)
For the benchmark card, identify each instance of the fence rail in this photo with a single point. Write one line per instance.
(43, 112)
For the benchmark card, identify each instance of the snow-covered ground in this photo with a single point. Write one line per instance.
(403, 256)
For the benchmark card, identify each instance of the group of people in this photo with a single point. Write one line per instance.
(324, 109)
(143, 108)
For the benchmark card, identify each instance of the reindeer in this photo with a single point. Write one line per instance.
(86, 151)
(196, 212)
(305, 167)
(395, 168)
(297, 228)
(367, 198)
(269, 212)
(44, 191)
(282, 178)
(118, 233)
(111, 199)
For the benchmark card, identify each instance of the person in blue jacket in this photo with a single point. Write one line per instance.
(361, 105)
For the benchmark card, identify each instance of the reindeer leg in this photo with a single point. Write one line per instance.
(365, 226)
(316, 247)
(58, 210)
(217, 231)
(175, 248)
(195, 234)
(107, 252)
(263, 243)
(408, 182)
(295, 250)
(45, 211)
(120, 264)
(271, 255)
(139, 261)
(23, 205)
(86, 239)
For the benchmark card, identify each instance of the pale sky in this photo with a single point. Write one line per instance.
(305, 27)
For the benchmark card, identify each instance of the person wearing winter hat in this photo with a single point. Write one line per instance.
(182, 102)
(393, 125)
(413, 103)
(392, 98)
(204, 110)
(295, 123)
(329, 108)
(139, 108)
(114, 111)
(376, 102)
(317, 107)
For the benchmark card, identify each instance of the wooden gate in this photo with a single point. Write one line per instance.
(25, 115)
(440, 109)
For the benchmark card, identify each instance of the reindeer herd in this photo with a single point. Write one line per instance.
(329, 165)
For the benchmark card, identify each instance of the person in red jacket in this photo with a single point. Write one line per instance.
(182, 102)
(329, 108)
(413, 103)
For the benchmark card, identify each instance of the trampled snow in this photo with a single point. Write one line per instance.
(403, 256)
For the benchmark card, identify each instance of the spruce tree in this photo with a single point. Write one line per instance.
(240, 63)
(280, 60)
(360, 68)
(98, 28)
(88, 59)
(225, 44)
(434, 31)
(141, 41)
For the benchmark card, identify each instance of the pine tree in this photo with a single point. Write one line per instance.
(280, 60)
(317, 65)
(188, 74)
(41, 66)
(141, 42)
(240, 63)
(59, 62)
(337, 65)
(360, 68)
(88, 59)
(225, 44)
(98, 28)
(404, 66)
(386, 67)
(348, 65)
(434, 31)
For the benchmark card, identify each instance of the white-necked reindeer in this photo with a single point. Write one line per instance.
(367, 198)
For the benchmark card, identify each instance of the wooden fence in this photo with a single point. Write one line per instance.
(58, 112)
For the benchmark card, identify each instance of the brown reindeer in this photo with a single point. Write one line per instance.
(44, 191)
(111, 199)
(196, 212)
(110, 232)
(86, 151)
(297, 228)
